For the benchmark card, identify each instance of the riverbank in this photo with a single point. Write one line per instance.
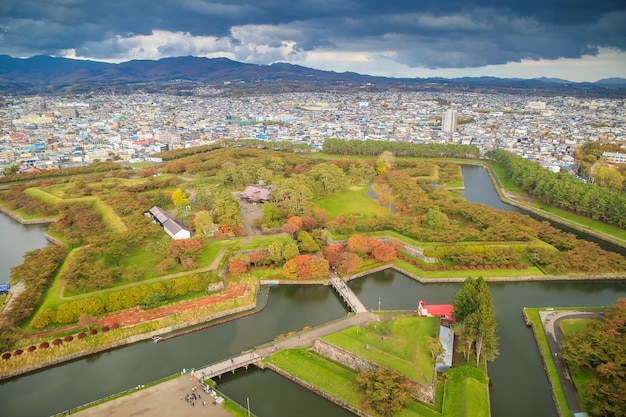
(510, 199)
(199, 323)
(22, 220)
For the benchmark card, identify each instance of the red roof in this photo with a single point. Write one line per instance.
(441, 310)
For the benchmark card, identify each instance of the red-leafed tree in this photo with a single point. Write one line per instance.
(349, 262)
(290, 229)
(333, 253)
(384, 253)
(237, 266)
(601, 348)
(303, 266)
(309, 223)
(255, 257)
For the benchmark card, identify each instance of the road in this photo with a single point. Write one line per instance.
(550, 321)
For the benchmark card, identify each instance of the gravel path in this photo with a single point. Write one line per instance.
(162, 400)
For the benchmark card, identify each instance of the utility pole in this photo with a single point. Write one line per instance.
(248, 402)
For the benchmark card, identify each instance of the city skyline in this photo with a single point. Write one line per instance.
(584, 41)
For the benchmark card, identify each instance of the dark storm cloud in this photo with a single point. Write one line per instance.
(447, 33)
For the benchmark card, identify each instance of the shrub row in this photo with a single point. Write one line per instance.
(58, 341)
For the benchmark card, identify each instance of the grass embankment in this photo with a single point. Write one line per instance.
(550, 367)
(398, 344)
(352, 202)
(530, 271)
(320, 372)
(465, 392)
(580, 221)
(108, 216)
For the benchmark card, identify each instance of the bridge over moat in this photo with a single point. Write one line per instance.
(227, 365)
(347, 294)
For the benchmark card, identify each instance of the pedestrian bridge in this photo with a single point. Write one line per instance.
(227, 365)
(347, 294)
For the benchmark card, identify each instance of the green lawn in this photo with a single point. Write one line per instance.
(467, 397)
(261, 242)
(319, 372)
(397, 344)
(352, 201)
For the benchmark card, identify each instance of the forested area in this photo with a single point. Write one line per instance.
(563, 190)
(601, 349)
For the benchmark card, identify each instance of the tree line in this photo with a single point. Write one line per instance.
(399, 149)
(563, 190)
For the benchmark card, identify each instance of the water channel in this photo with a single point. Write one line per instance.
(519, 385)
(15, 240)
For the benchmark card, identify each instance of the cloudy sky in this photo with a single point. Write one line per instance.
(577, 40)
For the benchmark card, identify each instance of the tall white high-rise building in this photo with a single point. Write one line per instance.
(448, 121)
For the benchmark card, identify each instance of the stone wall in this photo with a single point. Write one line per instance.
(343, 357)
(215, 286)
(314, 389)
(423, 393)
(418, 253)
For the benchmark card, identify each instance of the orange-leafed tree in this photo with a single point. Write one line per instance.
(384, 253)
(296, 221)
(319, 267)
(306, 267)
(290, 229)
(358, 244)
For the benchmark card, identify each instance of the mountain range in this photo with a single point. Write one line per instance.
(50, 73)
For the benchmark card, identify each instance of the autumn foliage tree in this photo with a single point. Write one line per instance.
(601, 348)
(384, 391)
(349, 262)
(237, 266)
(384, 253)
(306, 267)
(333, 253)
(358, 244)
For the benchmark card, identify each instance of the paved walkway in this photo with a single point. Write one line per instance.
(347, 294)
(301, 340)
(554, 333)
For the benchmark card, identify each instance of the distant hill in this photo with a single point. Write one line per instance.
(44, 73)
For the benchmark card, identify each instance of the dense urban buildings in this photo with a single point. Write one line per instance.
(49, 132)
